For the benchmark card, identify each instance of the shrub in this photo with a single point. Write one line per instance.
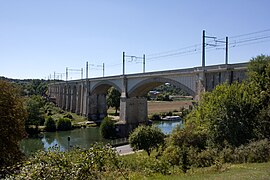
(155, 117)
(188, 137)
(50, 124)
(172, 155)
(203, 158)
(69, 116)
(98, 162)
(107, 128)
(145, 164)
(63, 124)
(146, 138)
(258, 151)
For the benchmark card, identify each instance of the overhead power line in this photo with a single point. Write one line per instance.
(236, 41)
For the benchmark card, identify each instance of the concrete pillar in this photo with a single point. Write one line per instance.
(101, 106)
(93, 107)
(68, 99)
(64, 95)
(78, 100)
(200, 84)
(60, 96)
(73, 94)
(133, 110)
(84, 101)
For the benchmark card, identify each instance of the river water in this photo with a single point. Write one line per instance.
(83, 138)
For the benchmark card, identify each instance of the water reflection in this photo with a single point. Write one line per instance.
(78, 137)
(167, 126)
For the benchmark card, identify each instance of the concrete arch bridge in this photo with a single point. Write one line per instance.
(87, 97)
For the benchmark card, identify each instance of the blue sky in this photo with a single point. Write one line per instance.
(40, 37)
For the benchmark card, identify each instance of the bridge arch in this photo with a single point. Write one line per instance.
(103, 86)
(146, 85)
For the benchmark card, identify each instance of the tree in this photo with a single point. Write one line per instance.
(146, 138)
(227, 114)
(259, 77)
(107, 128)
(64, 124)
(12, 117)
(113, 98)
(34, 107)
(50, 124)
(36, 87)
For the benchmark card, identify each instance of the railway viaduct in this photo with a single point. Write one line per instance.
(87, 97)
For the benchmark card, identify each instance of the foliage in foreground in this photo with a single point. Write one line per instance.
(12, 117)
(97, 162)
(103, 162)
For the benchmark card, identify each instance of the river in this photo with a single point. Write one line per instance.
(83, 138)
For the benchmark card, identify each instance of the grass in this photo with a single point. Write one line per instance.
(236, 171)
(227, 171)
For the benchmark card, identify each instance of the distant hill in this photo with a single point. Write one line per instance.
(30, 86)
(170, 90)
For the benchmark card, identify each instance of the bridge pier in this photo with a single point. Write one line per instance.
(133, 110)
(97, 107)
(78, 100)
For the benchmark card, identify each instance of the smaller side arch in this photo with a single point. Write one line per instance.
(146, 85)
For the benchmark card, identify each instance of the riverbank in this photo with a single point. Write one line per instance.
(81, 137)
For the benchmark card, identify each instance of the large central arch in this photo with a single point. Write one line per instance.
(146, 85)
(103, 86)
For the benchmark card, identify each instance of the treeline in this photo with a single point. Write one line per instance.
(29, 87)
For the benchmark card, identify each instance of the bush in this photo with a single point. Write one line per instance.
(50, 124)
(107, 128)
(258, 151)
(188, 137)
(98, 162)
(155, 117)
(63, 124)
(172, 155)
(69, 116)
(146, 165)
(203, 158)
(146, 138)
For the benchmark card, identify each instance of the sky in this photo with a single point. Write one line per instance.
(39, 39)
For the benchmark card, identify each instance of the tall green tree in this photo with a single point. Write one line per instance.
(12, 117)
(259, 77)
(35, 110)
(113, 98)
(227, 114)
